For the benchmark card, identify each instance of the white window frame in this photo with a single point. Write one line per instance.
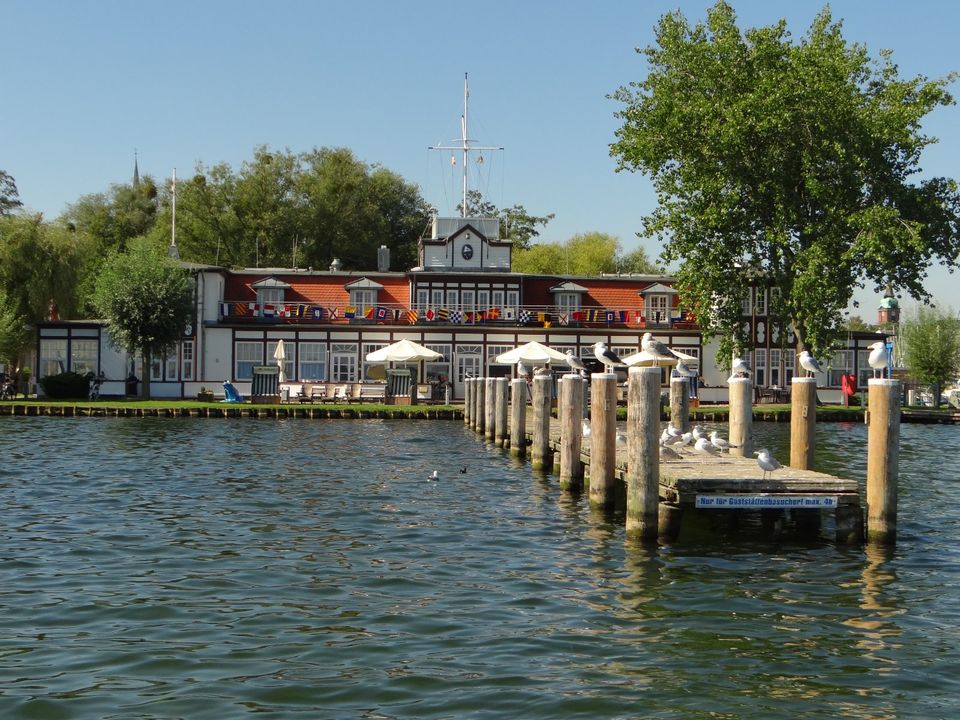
(313, 361)
(343, 362)
(246, 355)
(567, 302)
(760, 367)
(187, 364)
(83, 355)
(362, 298)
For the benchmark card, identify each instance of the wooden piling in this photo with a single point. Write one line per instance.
(518, 417)
(741, 416)
(467, 401)
(603, 438)
(540, 450)
(883, 459)
(643, 451)
(679, 403)
(803, 422)
(489, 409)
(571, 432)
(501, 432)
(479, 406)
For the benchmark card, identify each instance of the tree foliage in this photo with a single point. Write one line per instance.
(9, 197)
(584, 254)
(41, 263)
(516, 223)
(931, 347)
(113, 218)
(146, 299)
(14, 333)
(784, 163)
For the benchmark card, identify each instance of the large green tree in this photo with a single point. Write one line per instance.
(583, 254)
(9, 197)
(787, 163)
(931, 347)
(146, 299)
(113, 218)
(14, 334)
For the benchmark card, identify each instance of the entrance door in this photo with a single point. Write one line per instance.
(468, 364)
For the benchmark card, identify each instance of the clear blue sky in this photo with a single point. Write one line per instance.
(185, 82)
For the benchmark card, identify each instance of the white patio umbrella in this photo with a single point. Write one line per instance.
(280, 355)
(645, 359)
(402, 351)
(533, 353)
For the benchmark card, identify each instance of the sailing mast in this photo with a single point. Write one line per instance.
(465, 146)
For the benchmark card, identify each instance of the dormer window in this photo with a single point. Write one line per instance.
(364, 293)
(568, 296)
(271, 292)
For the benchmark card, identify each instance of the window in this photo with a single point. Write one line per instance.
(363, 298)
(865, 371)
(290, 357)
(438, 370)
(436, 299)
(840, 363)
(513, 300)
(746, 304)
(468, 296)
(761, 302)
(186, 359)
(313, 361)
(343, 362)
(760, 367)
(422, 296)
(366, 349)
(246, 354)
(83, 356)
(775, 370)
(658, 309)
(567, 302)
(496, 299)
(483, 300)
(53, 356)
(453, 299)
(789, 360)
(270, 296)
(170, 363)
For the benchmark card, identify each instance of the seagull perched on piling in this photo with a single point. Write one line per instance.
(606, 356)
(878, 357)
(767, 462)
(682, 370)
(575, 363)
(809, 363)
(541, 371)
(721, 443)
(739, 369)
(657, 350)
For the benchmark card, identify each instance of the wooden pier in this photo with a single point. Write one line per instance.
(657, 490)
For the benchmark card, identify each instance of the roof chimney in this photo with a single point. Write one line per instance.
(383, 259)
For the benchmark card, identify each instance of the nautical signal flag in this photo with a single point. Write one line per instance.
(412, 317)
(443, 314)
(381, 313)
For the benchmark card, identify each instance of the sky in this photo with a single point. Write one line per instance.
(87, 84)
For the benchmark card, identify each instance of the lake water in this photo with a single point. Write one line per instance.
(160, 568)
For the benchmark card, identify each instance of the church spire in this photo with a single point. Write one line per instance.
(136, 170)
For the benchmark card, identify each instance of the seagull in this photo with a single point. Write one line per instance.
(668, 453)
(606, 356)
(739, 368)
(670, 438)
(522, 370)
(433, 476)
(575, 363)
(621, 438)
(767, 462)
(586, 428)
(721, 443)
(657, 349)
(705, 446)
(878, 357)
(809, 363)
(541, 371)
(682, 370)
(699, 431)
(463, 469)
(685, 439)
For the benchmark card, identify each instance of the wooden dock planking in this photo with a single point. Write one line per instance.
(681, 480)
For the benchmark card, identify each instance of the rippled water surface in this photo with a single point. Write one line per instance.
(157, 568)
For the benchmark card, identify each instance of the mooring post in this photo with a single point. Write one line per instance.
(603, 438)
(467, 401)
(883, 459)
(643, 451)
(500, 393)
(479, 406)
(571, 432)
(489, 408)
(803, 422)
(540, 451)
(679, 403)
(518, 417)
(741, 416)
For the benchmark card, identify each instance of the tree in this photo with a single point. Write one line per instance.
(857, 324)
(113, 218)
(14, 334)
(516, 223)
(786, 164)
(931, 347)
(583, 254)
(146, 299)
(9, 197)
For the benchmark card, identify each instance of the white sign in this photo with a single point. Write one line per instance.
(759, 502)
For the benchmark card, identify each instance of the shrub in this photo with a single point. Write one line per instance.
(66, 386)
